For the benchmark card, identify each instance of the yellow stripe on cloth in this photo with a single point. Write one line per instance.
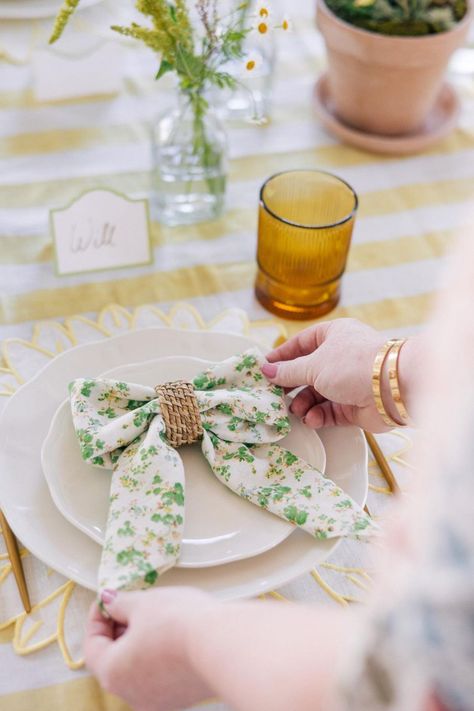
(401, 250)
(332, 156)
(232, 221)
(378, 202)
(407, 197)
(371, 255)
(39, 194)
(174, 285)
(241, 169)
(382, 315)
(32, 143)
(26, 100)
(27, 249)
(38, 248)
(82, 694)
(187, 283)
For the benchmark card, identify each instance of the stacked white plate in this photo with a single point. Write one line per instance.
(34, 9)
(57, 505)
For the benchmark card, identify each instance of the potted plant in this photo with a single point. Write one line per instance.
(387, 58)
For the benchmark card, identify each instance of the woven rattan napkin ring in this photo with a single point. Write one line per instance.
(180, 412)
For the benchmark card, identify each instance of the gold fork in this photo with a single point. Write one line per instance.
(15, 560)
(382, 462)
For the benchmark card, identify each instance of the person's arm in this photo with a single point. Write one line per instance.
(170, 648)
(276, 655)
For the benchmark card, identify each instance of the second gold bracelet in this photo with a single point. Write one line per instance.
(376, 382)
(392, 365)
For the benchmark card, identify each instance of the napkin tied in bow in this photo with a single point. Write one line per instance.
(120, 426)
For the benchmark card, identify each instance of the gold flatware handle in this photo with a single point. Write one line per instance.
(382, 462)
(15, 560)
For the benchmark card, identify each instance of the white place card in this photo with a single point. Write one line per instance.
(101, 230)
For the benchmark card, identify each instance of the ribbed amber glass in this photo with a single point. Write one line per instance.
(305, 226)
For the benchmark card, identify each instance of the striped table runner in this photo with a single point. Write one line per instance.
(410, 208)
(410, 211)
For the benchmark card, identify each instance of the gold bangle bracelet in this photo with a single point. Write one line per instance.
(376, 382)
(392, 364)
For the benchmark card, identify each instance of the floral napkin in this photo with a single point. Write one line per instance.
(119, 427)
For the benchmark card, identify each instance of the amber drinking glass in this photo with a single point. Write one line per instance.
(305, 226)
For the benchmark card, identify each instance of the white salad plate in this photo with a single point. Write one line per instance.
(219, 527)
(35, 9)
(27, 503)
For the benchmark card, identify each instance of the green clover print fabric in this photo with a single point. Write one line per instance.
(119, 427)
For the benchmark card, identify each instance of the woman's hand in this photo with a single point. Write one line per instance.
(334, 360)
(140, 652)
(170, 648)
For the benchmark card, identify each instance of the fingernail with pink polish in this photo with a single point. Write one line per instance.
(108, 596)
(269, 369)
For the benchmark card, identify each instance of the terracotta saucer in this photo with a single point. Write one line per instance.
(441, 121)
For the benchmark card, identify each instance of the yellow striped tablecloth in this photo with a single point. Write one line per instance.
(410, 211)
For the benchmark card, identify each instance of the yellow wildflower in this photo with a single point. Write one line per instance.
(62, 19)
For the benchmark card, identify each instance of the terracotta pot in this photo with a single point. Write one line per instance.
(384, 84)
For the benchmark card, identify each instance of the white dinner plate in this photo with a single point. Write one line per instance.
(220, 526)
(35, 9)
(27, 503)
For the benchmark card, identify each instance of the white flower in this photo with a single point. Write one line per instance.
(263, 11)
(262, 22)
(251, 63)
(263, 27)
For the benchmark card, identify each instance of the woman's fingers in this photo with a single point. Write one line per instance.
(305, 400)
(99, 637)
(290, 373)
(303, 343)
(119, 605)
(119, 630)
(106, 638)
(329, 414)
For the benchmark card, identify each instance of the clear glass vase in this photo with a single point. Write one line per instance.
(190, 155)
(250, 100)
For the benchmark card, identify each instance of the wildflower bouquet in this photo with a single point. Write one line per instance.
(196, 52)
(194, 40)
